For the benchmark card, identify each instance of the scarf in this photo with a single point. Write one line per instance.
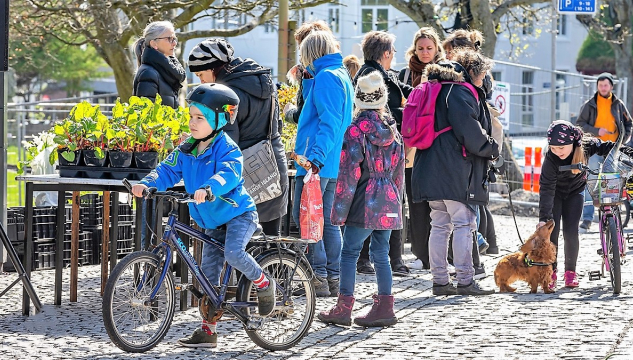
(417, 68)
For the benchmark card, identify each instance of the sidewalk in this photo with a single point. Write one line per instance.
(585, 323)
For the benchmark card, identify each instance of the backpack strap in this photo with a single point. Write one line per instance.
(407, 73)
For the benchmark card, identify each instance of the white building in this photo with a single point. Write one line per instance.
(529, 113)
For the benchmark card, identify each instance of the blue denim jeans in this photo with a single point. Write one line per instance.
(378, 253)
(324, 256)
(238, 233)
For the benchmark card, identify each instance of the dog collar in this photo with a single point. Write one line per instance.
(529, 262)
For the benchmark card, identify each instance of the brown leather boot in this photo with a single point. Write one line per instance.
(381, 313)
(341, 313)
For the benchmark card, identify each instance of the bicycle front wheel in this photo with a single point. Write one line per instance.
(291, 319)
(613, 256)
(133, 323)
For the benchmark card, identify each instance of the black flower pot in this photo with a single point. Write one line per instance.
(120, 159)
(91, 159)
(146, 159)
(64, 162)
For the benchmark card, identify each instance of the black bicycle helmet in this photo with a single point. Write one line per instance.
(219, 98)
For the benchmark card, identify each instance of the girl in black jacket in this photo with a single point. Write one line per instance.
(561, 192)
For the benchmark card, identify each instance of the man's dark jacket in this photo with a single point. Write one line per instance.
(589, 111)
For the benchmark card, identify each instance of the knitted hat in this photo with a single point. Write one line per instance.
(210, 54)
(606, 75)
(371, 92)
(562, 132)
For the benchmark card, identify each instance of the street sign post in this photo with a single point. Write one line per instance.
(501, 99)
(586, 7)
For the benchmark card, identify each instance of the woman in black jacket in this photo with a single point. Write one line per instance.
(452, 174)
(212, 61)
(378, 52)
(159, 71)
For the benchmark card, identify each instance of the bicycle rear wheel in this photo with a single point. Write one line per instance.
(613, 256)
(290, 321)
(132, 324)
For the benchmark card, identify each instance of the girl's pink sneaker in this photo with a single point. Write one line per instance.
(571, 279)
(552, 284)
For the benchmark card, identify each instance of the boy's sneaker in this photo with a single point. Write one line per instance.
(363, 266)
(200, 339)
(480, 272)
(584, 227)
(571, 279)
(482, 244)
(321, 286)
(448, 289)
(266, 298)
(398, 268)
(472, 289)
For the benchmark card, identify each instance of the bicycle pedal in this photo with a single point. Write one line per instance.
(595, 275)
(600, 252)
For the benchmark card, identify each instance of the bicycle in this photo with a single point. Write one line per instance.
(139, 297)
(606, 191)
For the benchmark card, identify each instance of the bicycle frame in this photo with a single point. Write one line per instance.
(606, 213)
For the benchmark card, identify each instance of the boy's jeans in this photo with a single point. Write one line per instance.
(238, 233)
(378, 252)
(451, 216)
(324, 256)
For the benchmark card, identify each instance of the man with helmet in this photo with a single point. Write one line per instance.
(210, 164)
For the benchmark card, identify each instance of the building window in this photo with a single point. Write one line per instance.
(527, 99)
(562, 25)
(374, 15)
(269, 27)
(333, 19)
(496, 75)
(528, 26)
(561, 95)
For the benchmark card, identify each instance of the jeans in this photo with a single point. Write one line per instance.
(238, 233)
(324, 256)
(378, 251)
(588, 210)
(451, 216)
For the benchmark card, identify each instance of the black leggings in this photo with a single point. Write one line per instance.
(487, 226)
(420, 221)
(570, 210)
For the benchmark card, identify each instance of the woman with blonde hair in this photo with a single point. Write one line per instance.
(326, 114)
(425, 50)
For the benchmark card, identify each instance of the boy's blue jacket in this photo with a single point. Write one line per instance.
(219, 167)
(326, 114)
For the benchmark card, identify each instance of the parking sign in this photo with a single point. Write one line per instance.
(577, 6)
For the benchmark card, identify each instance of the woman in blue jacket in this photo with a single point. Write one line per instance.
(326, 114)
(210, 164)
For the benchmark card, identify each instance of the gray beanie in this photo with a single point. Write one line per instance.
(371, 92)
(210, 54)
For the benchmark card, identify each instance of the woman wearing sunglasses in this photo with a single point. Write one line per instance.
(159, 72)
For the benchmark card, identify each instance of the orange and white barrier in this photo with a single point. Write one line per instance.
(537, 169)
(527, 170)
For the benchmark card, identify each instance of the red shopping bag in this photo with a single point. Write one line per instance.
(311, 209)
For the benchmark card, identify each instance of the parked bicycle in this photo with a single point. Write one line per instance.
(139, 297)
(606, 191)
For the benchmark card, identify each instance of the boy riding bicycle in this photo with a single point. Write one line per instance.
(210, 164)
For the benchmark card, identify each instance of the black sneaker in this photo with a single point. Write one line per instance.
(480, 272)
(448, 289)
(584, 227)
(398, 268)
(492, 250)
(363, 266)
(472, 289)
(333, 285)
(200, 339)
(321, 286)
(266, 298)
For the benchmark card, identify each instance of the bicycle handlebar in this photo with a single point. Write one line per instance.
(180, 197)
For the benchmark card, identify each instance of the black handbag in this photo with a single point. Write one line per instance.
(260, 171)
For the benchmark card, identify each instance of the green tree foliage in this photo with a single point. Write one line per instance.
(595, 55)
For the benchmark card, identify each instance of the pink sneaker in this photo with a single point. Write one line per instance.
(571, 279)
(552, 284)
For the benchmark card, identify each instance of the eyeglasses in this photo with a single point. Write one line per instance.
(171, 39)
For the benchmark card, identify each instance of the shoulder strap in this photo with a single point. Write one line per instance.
(272, 117)
(407, 72)
(466, 84)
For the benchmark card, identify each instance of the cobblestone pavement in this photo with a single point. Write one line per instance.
(584, 323)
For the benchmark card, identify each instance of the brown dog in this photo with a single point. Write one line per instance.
(518, 265)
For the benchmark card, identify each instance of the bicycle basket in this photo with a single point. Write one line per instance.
(606, 189)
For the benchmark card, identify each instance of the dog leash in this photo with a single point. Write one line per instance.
(513, 215)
